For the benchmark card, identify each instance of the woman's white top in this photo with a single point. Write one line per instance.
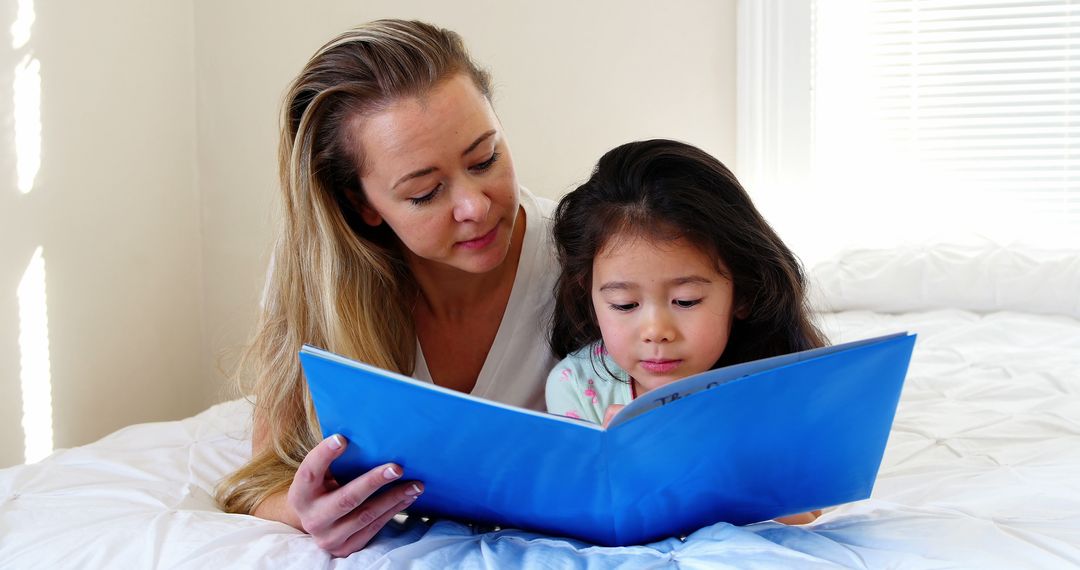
(520, 358)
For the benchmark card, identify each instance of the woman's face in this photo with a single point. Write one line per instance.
(438, 171)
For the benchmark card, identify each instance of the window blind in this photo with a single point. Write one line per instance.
(971, 103)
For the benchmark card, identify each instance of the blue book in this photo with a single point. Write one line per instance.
(740, 444)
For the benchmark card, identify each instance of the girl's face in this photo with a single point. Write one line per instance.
(438, 171)
(664, 308)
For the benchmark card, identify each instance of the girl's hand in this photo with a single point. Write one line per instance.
(801, 518)
(343, 519)
(610, 413)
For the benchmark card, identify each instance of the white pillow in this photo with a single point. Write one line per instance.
(981, 278)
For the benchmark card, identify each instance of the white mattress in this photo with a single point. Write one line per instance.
(982, 467)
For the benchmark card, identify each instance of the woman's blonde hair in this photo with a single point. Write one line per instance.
(335, 282)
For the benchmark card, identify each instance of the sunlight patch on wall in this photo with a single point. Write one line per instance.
(34, 369)
(34, 373)
(24, 23)
(27, 89)
(27, 100)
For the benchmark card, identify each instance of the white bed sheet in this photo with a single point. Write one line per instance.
(982, 470)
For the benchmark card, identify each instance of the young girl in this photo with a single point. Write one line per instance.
(668, 270)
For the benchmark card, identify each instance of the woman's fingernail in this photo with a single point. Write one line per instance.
(336, 442)
(389, 473)
(413, 490)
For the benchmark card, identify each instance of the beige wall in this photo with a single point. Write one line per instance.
(163, 174)
(115, 209)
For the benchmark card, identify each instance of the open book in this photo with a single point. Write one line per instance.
(741, 444)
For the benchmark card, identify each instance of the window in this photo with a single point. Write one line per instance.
(886, 121)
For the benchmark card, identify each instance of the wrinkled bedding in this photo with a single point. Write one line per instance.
(982, 469)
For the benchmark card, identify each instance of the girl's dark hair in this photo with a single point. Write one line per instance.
(663, 189)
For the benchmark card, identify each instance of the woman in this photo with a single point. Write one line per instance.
(406, 243)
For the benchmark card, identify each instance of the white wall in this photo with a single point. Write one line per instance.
(116, 211)
(159, 177)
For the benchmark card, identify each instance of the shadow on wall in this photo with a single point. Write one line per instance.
(99, 278)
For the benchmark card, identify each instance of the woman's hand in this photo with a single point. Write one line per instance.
(343, 519)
